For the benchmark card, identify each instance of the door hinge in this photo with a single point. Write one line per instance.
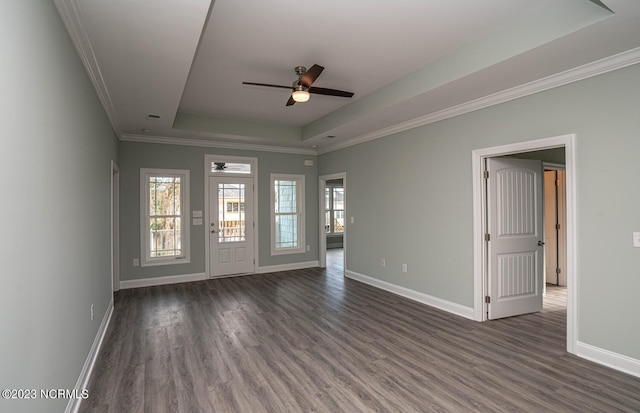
(557, 226)
(487, 237)
(487, 299)
(486, 175)
(558, 271)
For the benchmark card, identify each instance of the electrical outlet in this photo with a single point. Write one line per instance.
(383, 262)
(636, 239)
(136, 262)
(92, 308)
(308, 248)
(404, 267)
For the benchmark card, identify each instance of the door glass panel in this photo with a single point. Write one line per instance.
(231, 215)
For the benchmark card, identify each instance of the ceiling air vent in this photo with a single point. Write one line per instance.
(329, 137)
(153, 116)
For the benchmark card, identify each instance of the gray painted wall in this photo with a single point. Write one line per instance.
(57, 146)
(134, 155)
(411, 197)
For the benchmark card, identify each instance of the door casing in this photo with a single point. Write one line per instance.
(479, 223)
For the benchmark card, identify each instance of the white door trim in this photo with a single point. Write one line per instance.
(479, 223)
(208, 158)
(115, 227)
(322, 253)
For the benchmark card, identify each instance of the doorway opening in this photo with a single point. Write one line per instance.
(480, 213)
(333, 225)
(555, 203)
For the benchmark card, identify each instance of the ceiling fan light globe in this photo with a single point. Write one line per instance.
(300, 95)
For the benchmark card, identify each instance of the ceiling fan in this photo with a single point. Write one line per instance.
(301, 88)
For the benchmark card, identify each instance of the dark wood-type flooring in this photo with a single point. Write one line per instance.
(312, 341)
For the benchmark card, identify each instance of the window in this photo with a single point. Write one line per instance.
(219, 167)
(287, 214)
(164, 226)
(334, 210)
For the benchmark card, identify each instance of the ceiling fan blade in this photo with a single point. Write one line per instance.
(267, 85)
(311, 75)
(290, 102)
(330, 92)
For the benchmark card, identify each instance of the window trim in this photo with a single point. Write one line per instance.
(301, 214)
(145, 253)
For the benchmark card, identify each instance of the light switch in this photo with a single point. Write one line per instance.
(197, 221)
(636, 239)
(352, 220)
(197, 214)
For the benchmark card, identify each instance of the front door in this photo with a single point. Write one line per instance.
(515, 247)
(231, 226)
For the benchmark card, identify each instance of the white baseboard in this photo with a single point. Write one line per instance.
(287, 267)
(454, 308)
(608, 358)
(169, 279)
(176, 279)
(85, 374)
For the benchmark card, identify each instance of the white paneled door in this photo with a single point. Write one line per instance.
(231, 226)
(516, 241)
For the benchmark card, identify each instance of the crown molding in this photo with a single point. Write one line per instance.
(165, 140)
(70, 14)
(598, 67)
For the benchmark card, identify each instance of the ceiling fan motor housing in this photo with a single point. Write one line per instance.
(297, 86)
(302, 87)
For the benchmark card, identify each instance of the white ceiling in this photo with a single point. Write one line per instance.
(404, 60)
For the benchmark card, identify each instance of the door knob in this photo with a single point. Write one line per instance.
(540, 243)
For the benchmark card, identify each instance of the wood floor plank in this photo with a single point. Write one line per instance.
(312, 341)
